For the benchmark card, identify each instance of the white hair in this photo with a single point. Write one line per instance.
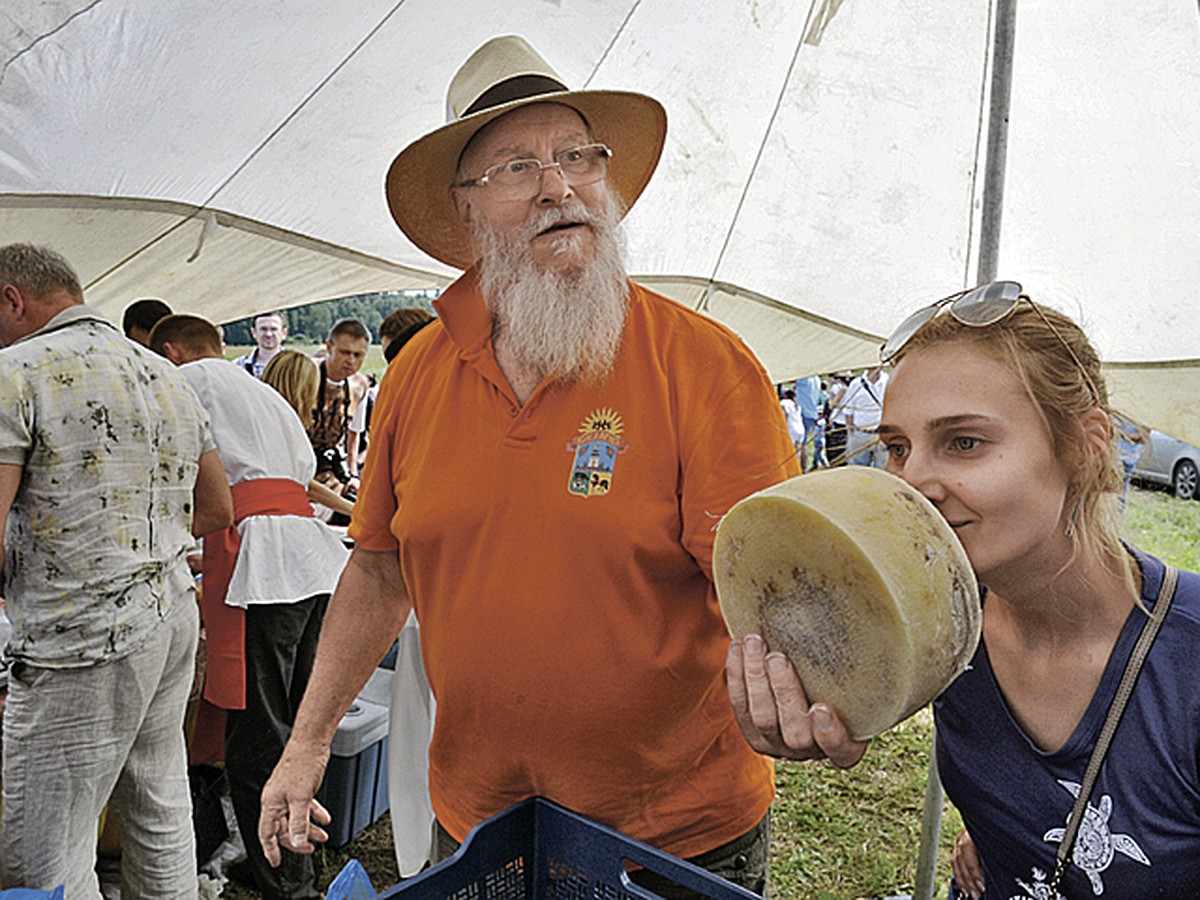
(566, 324)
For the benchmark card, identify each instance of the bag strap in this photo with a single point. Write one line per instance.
(1166, 593)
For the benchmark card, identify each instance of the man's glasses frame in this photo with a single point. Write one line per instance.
(578, 166)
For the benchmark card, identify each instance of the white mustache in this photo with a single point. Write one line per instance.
(573, 213)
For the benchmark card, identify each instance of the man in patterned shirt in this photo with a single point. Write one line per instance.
(107, 470)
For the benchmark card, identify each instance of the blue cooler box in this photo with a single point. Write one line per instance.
(355, 788)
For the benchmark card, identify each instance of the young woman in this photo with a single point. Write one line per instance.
(998, 413)
(295, 376)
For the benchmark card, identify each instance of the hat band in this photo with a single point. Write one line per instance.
(517, 88)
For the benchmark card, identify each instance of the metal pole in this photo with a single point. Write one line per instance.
(931, 830)
(1003, 40)
(997, 138)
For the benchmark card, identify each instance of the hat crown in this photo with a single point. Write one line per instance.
(502, 70)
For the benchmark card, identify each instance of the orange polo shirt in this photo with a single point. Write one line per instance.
(559, 559)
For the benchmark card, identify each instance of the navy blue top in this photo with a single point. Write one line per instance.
(1141, 832)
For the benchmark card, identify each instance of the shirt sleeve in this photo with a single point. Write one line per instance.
(739, 446)
(16, 438)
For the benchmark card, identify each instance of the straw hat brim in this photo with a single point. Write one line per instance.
(633, 126)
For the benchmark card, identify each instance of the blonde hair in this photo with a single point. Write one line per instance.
(1060, 371)
(295, 376)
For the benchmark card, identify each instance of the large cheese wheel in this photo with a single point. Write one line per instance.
(858, 579)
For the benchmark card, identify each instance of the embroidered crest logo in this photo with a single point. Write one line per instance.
(594, 453)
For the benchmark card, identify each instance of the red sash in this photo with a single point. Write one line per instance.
(225, 626)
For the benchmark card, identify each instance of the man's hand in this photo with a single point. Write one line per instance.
(773, 712)
(290, 816)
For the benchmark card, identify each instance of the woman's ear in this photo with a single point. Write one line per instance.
(1097, 431)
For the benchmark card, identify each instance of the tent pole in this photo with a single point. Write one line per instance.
(989, 252)
(997, 138)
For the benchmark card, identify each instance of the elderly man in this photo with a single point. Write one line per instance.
(550, 459)
(107, 470)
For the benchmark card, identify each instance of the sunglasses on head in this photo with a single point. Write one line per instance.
(977, 307)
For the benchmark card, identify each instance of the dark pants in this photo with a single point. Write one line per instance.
(745, 861)
(835, 445)
(281, 644)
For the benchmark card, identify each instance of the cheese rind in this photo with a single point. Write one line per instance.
(858, 579)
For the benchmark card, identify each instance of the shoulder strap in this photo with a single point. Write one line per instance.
(1166, 593)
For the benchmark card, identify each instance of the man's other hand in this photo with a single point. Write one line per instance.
(290, 816)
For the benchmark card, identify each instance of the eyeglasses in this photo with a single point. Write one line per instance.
(977, 308)
(521, 179)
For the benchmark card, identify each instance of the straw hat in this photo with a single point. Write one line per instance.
(502, 75)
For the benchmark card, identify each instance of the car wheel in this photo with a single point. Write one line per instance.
(1186, 480)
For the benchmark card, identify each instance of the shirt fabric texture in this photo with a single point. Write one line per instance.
(110, 437)
(559, 559)
(248, 362)
(1141, 829)
(283, 558)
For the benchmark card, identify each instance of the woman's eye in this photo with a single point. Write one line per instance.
(964, 442)
(896, 451)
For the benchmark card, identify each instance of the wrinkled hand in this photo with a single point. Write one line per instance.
(773, 712)
(964, 862)
(290, 816)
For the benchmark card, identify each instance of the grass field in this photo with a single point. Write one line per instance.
(844, 835)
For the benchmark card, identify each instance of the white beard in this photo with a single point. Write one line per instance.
(562, 324)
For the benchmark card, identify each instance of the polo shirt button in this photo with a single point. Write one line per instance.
(512, 411)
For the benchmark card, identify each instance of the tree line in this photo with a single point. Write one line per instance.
(310, 324)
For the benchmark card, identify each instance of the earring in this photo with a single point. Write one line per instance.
(1070, 530)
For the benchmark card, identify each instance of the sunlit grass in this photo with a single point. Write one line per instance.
(1165, 526)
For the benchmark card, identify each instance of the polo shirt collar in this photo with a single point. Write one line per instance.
(464, 315)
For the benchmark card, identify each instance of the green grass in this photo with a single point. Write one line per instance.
(856, 833)
(1169, 528)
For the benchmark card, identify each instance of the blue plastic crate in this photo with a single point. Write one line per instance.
(538, 849)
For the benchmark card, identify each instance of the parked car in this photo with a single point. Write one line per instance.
(1169, 461)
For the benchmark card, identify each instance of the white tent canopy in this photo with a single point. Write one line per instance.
(823, 172)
